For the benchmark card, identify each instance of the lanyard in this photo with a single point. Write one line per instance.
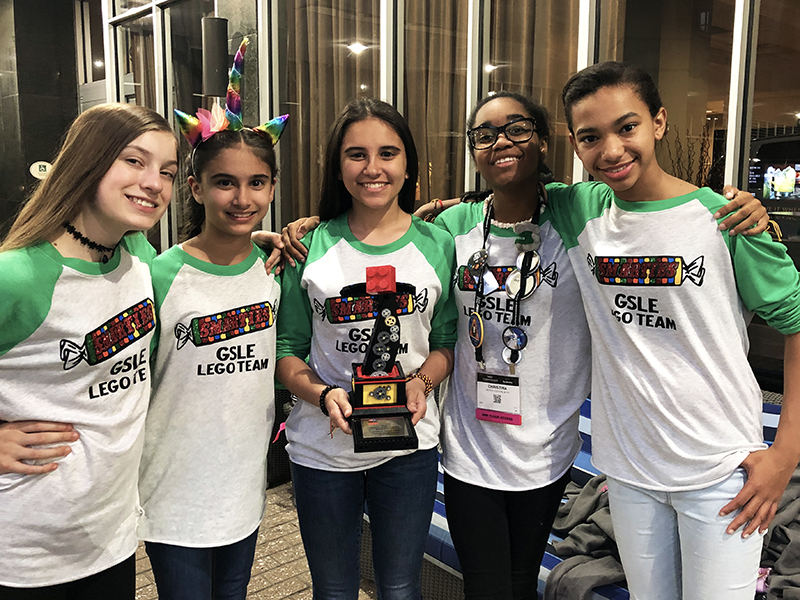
(478, 266)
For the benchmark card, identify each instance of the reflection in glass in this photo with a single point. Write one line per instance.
(775, 152)
(322, 74)
(120, 6)
(685, 46)
(435, 87)
(533, 51)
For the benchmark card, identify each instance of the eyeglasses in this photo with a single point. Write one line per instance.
(517, 131)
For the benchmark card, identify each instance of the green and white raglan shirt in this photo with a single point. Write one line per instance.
(204, 468)
(554, 370)
(675, 405)
(333, 329)
(74, 347)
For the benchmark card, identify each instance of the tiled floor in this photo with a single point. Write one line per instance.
(279, 570)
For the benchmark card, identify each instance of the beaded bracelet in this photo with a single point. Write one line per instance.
(425, 379)
(322, 399)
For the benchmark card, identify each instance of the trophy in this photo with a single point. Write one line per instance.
(380, 418)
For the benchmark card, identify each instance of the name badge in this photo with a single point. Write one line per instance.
(498, 399)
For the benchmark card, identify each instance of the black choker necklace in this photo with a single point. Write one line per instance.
(89, 243)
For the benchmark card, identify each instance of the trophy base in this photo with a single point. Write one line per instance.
(380, 419)
(376, 433)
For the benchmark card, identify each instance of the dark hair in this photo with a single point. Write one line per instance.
(334, 198)
(92, 144)
(537, 112)
(197, 162)
(610, 74)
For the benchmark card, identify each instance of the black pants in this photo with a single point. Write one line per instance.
(500, 537)
(115, 583)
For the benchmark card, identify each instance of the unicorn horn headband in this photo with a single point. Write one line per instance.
(198, 129)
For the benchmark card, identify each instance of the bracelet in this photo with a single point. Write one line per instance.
(425, 379)
(322, 398)
(439, 205)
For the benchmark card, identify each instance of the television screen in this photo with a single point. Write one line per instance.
(775, 169)
(781, 182)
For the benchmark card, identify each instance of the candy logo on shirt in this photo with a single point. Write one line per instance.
(111, 337)
(354, 304)
(467, 283)
(646, 270)
(219, 327)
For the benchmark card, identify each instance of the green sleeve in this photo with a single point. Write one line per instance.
(28, 279)
(137, 245)
(294, 315)
(164, 270)
(439, 249)
(767, 280)
(570, 207)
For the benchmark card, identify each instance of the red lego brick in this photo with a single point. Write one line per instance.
(381, 280)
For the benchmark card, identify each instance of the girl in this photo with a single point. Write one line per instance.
(366, 203)
(511, 459)
(676, 409)
(69, 509)
(203, 474)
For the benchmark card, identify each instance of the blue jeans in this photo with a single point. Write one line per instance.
(330, 505)
(221, 573)
(673, 545)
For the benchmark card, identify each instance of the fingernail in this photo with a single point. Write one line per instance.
(716, 215)
(745, 535)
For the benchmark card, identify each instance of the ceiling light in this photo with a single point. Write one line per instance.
(489, 68)
(357, 47)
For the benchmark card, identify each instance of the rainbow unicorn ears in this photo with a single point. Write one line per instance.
(198, 129)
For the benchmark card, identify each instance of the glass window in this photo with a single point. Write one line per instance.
(685, 45)
(775, 149)
(533, 50)
(136, 62)
(332, 57)
(435, 86)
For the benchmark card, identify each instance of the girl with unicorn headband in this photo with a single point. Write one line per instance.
(203, 473)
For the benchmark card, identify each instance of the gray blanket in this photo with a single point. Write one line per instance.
(588, 548)
(782, 545)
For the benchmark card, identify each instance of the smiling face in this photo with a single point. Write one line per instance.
(506, 163)
(136, 190)
(373, 164)
(235, 188)
(614, 136)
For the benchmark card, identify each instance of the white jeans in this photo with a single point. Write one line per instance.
(673, 545)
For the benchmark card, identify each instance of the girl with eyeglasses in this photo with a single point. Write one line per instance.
(523, 336)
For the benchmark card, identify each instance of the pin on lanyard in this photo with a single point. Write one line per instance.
(477, 266)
